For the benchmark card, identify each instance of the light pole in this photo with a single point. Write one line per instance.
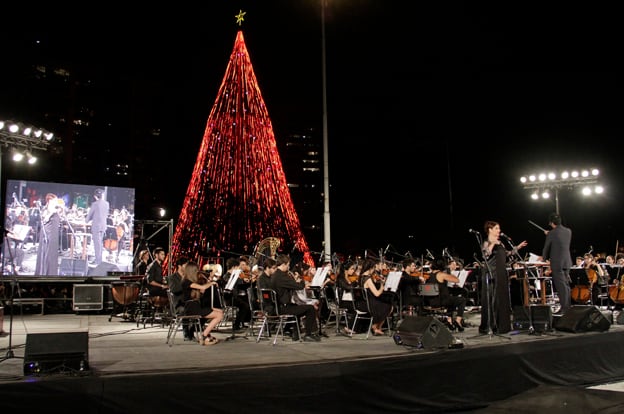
(326, 215)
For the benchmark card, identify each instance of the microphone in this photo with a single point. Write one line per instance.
(505, 236)
(386, 250)
(473, 231)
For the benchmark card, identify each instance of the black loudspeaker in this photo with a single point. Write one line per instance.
(541, 318)
(423, 332)
(73, 267)
(56, 352)
(103, 269)
(582, 319)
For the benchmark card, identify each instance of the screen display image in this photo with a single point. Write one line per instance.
(56, 229)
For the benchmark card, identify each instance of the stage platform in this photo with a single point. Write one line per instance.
(132, 368)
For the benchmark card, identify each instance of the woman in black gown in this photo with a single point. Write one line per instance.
(495, 312)
(379, 309)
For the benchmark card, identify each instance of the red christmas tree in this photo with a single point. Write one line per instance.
(238, 194)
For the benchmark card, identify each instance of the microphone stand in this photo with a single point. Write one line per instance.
(488, 295)
(14, 283)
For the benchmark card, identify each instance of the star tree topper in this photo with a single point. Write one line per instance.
(240, 17)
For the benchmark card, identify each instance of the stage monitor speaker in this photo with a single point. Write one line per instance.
(620, 318)
(73, 267)
(541, 318)
(423, 332)
(66, 352)
(103, 269)
(582, 319)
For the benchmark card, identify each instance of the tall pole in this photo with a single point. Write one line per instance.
(326, 227)
(557, 200)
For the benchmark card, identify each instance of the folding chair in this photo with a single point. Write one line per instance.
(272, 317)
(361, 308)
(335, 310)
(179, 320)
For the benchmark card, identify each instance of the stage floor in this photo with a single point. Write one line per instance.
(120, 349)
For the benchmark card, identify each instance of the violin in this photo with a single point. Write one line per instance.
(202, 279)
(424, 275)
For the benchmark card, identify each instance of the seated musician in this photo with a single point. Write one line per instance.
(408, 286)
(346, 278)
(378, 308)
(197, 302)
(238, 295)
(454, 304)
(174, 281)
(596, 275)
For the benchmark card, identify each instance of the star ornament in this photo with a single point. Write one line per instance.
(240, 17)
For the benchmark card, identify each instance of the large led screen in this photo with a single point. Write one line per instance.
(56, 229)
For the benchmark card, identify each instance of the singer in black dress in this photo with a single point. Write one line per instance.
(495, 312)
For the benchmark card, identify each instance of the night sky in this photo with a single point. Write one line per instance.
(434, 110)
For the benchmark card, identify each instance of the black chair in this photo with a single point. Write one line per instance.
(271, 317)
(361, 309)
(336, 311)
(179, 319)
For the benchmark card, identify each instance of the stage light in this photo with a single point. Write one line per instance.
(22, 140)
(543, 184)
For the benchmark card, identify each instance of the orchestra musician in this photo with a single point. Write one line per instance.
(408, 286)
(379, 309)
(595, 275)
(454, 304)
(191, 284)
(174, 282)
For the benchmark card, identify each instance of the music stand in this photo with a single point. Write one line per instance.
(579, 278)
(229, 287)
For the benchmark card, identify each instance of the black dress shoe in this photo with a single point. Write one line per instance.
(458, 326)
(312, 338)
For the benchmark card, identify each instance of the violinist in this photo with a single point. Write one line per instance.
(408, 286)
(454, 304)
(174, 281)
(238, 296)
(345, 279)
(191, 283)
(264, 280)
(379, 309)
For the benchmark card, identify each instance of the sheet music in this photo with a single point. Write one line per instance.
(319, 276)
(232, 280)
(19, 232)
(392, 281)
(462, 275)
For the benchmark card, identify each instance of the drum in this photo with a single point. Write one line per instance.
(125, 293)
